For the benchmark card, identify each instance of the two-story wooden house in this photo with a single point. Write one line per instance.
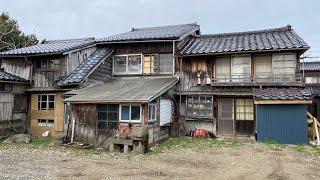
(311, 74)
(42, 66)
(245, 84)
(129, 84)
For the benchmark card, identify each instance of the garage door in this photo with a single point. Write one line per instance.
(165, 111)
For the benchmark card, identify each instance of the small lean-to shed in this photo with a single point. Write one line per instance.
(281, 114)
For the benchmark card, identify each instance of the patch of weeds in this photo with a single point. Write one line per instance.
(236, 143)
(274, 145)
(42, 142)
(301, 148)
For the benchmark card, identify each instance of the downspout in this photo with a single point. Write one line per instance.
(174, 53)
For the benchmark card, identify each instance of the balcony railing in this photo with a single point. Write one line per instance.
(261, 79)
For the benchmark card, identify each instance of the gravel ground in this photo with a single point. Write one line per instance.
(249, 161)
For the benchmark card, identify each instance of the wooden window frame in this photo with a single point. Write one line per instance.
(233, 79)
(154, 64)
(46, 124)
(236, 106)
(130, 121)
(107, 120)
(167, 72)
(127, 64)
(47, 102)
(199, 102)
(152, 111)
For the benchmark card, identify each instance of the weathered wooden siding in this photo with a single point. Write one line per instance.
(74, 59)
(104, 71)
(6, 106)
(17, 66)
(147, 48)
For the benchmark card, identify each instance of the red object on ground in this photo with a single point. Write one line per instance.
(201, 133)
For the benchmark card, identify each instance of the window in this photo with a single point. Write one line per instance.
(130, 113)
(152, 113)
(241, 68)
(45, 122)
(222, 69)
(284, 66)
(166, 63)
(199, 106)
(244, 109)
(20, 103)
(2, 87)
(45, 102)
(127, 64)
(48, 64)
(263, 68)
(149, 64)
(312, 80)
(108, 117)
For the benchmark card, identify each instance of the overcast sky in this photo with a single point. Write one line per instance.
(59, 19)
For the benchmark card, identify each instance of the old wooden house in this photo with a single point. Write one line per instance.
(311, 76)
(42, 66)
(245, 84)
(13, 103)
(129, 83)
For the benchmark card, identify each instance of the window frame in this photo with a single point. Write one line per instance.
(127, 64)
(244, 106)
(47, 102)
(198, 102)
(172, 64)
(130, 121)
(150, 110)
(46, 124)
(243, 77)
(307, 80)
(155, 61)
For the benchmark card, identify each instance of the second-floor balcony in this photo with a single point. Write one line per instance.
(256, 80)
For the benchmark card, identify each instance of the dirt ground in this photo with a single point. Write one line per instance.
(179, 161)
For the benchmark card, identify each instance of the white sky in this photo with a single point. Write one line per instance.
(60, 19)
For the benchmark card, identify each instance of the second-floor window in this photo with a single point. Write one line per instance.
(240, 68)
(127, 64)
(48, 64)
(45, 102)
(284, 65)
(166, 63)
(312, 80)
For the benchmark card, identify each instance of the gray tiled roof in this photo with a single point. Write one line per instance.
(86, 67)
(173, 32)
(315, 90)
(52, 47)
(290, 93)
(129, 89)
(5, 76)
(269, 39)
(310, 66)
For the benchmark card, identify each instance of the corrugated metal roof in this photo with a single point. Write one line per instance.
(290, 93)
(310, 66)
(55, 46)
(5, 76)
(269, 39)
(86, 67)
(134, 89)
(173, 32)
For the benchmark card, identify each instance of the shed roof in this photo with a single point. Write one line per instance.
(51, 47)
(86, 67)
(8, 77)
(310, 66)
(281, 95)
(262, 40)
(173, 32)
(130, 89)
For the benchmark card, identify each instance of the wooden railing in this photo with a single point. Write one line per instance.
(243, 79)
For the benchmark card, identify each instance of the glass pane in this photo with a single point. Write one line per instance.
(134, 64)
(51, 105)
(50, 122)
(125, 112)
(112, 125)
(135, 112)
(43, 97)
(102, 116)
(51, 97)
(113, 108)
(102, 124)
(120, 64)
(112, 116)
(166, 63)
(54, 63)
(43, 105)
